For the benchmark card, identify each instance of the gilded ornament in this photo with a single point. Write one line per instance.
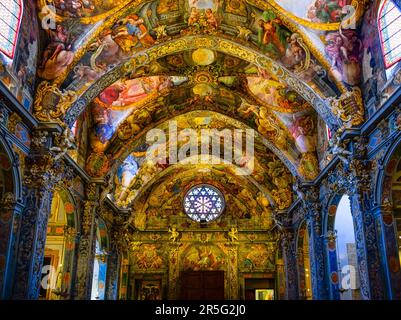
(233, 234)
(243, 33)
(97, 164)
(309, 166)
(349, 107)
(161, 32)
(174, 234)
(51, 103)
(13, 120)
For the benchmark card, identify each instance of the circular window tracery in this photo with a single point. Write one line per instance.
(203, 203)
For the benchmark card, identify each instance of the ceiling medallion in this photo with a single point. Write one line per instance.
(203, 57)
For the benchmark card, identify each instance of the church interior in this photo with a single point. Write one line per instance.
(200, 149)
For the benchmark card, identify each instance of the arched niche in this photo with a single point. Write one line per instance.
(303, 263)
(341, 250)
(10, 178)
(10, 207)
(58, 263)
(100, 262)
(388, 195)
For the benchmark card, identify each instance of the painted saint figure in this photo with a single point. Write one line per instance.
(132, 32)
(272, 35)
(58, 55)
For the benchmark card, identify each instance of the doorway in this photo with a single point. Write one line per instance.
(202, 285)
(259, 289)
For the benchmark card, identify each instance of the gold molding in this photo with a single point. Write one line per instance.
(285, 17)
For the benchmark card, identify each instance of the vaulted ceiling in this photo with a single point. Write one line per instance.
(134, 66)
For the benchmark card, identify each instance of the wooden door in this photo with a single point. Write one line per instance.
(202, 285)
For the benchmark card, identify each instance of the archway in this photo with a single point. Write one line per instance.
(100, 263)
(58, 262)
(346, 255)
(8, 194)
(389, 195)
(396, 196)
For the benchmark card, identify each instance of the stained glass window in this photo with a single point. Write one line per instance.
(10, 17)
(390, 32)
(204, 203)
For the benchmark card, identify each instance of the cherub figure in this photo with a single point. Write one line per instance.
(337, 149)
(65, 142)
(174, 234)
(294, 48)
(58, 55)
(193, 17)
(211, 19)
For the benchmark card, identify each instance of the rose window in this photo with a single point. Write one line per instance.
(204, 203)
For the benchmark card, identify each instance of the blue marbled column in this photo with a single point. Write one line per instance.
(386, 229)
(113, 266)
(32, 239)
(10, 215)
(317, 252)
(371, 273)
(290, 267)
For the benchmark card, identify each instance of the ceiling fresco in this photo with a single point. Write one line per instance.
(138, 168)
(84, 8)
(317, 11)
(279, 68)
(159, 205)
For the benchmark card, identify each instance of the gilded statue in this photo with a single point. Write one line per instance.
(174, 234)
(233, 234)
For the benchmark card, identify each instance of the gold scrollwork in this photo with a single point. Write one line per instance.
(349, 107)
(51, 103)
(13, 121)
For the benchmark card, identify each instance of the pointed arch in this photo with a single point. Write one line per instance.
(390, 33)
